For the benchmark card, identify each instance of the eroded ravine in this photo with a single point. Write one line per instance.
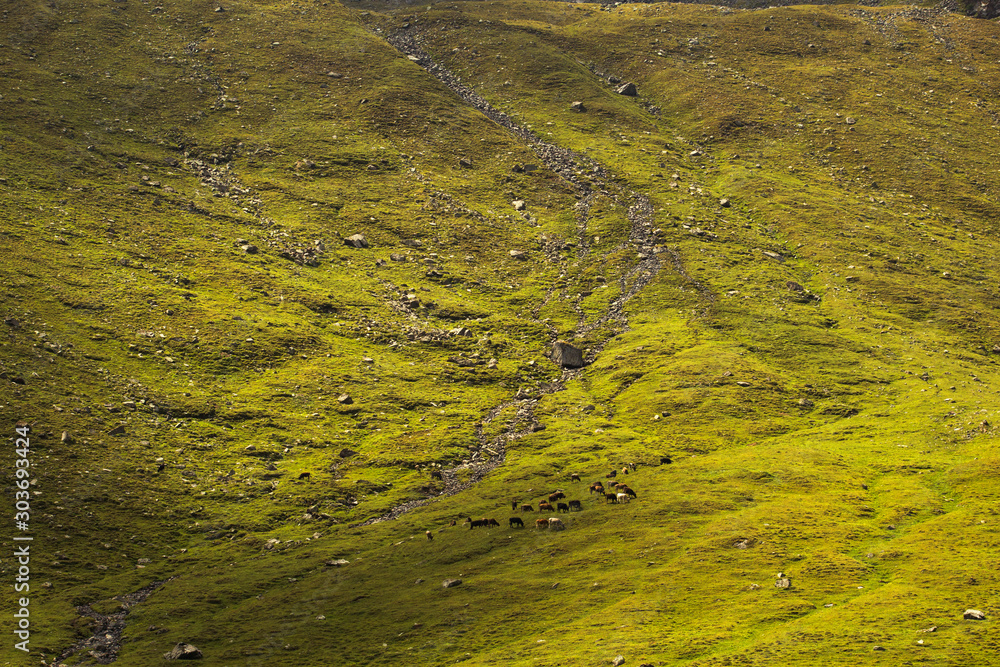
(650, 260)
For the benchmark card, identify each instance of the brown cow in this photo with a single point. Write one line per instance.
(610, 498)
(542, 507)
(612, 474)
(541, 524)
(305, 475)
(596, 487)
(575, 504)
(574, 477)
(492, 522)
(514, 504)
(626, 489)
(558, 495)
(429, 536)
(527, 508)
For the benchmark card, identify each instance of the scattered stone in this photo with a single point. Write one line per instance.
(396, 257)
(460, 331)
(518, 204)
(117, 430)
(356, 241)
(334, 75)
(567, 355)
(974, 615)
(183, 651)
(628, 89)
(806, 403)
(249, 248)
(933, 628)
(743, 383)
(451, 583)
(519, 255)
(492, 363)
(850, 121)
(465, 163)
(345, 399)
(347, 453)
(66, 439)
(619, 660)
(852, 279)
(773, 255)
(578, 107)
(783, 582)
(724, 203)
(337, 563)
(695, 153)
(877, 648)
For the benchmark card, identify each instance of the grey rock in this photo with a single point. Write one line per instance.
(518, 204)
(567, 355)
(451, 583)
(356, 241)
(784, 582)
(974, 615)
(578, 107)
(396, 257)
(619, 660)
(460, 331)
(518, 255)
(345, 399)
(183, 651)
(347, 453)
(337, 562)
(628, 89)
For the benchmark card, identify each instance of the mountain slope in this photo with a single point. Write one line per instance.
(778, 259)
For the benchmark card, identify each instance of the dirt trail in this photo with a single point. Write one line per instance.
(651, 259)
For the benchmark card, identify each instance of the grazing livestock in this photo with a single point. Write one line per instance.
(612, 474)
(478, 523)
(305, 475)
(574, 477)
(492, 522)
(543, 507)
(665, 460)
(625, 470)
(575, 504)
(562, 507)
(630, 492)
(610, 498)
(541, 524)
(596, 487)
(556, 524)
(428, 534)
(527, 508)
(623, 497)
(516, 521)
(453, 523)
(558, 495)
(514, 504)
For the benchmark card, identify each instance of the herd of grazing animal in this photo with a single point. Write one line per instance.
(621, 494)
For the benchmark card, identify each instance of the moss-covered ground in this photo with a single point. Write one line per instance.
(187, 333)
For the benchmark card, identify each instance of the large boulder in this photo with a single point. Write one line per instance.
(356, 241)
(628, 89)
(974, 615)
(183, 651)
(567, 355)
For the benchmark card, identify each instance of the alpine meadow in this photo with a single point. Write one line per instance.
(499, 332)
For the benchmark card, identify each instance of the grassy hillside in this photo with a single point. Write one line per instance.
(779, 259)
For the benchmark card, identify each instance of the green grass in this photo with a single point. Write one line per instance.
(842, 436)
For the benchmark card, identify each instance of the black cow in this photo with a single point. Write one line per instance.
(516, 521)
